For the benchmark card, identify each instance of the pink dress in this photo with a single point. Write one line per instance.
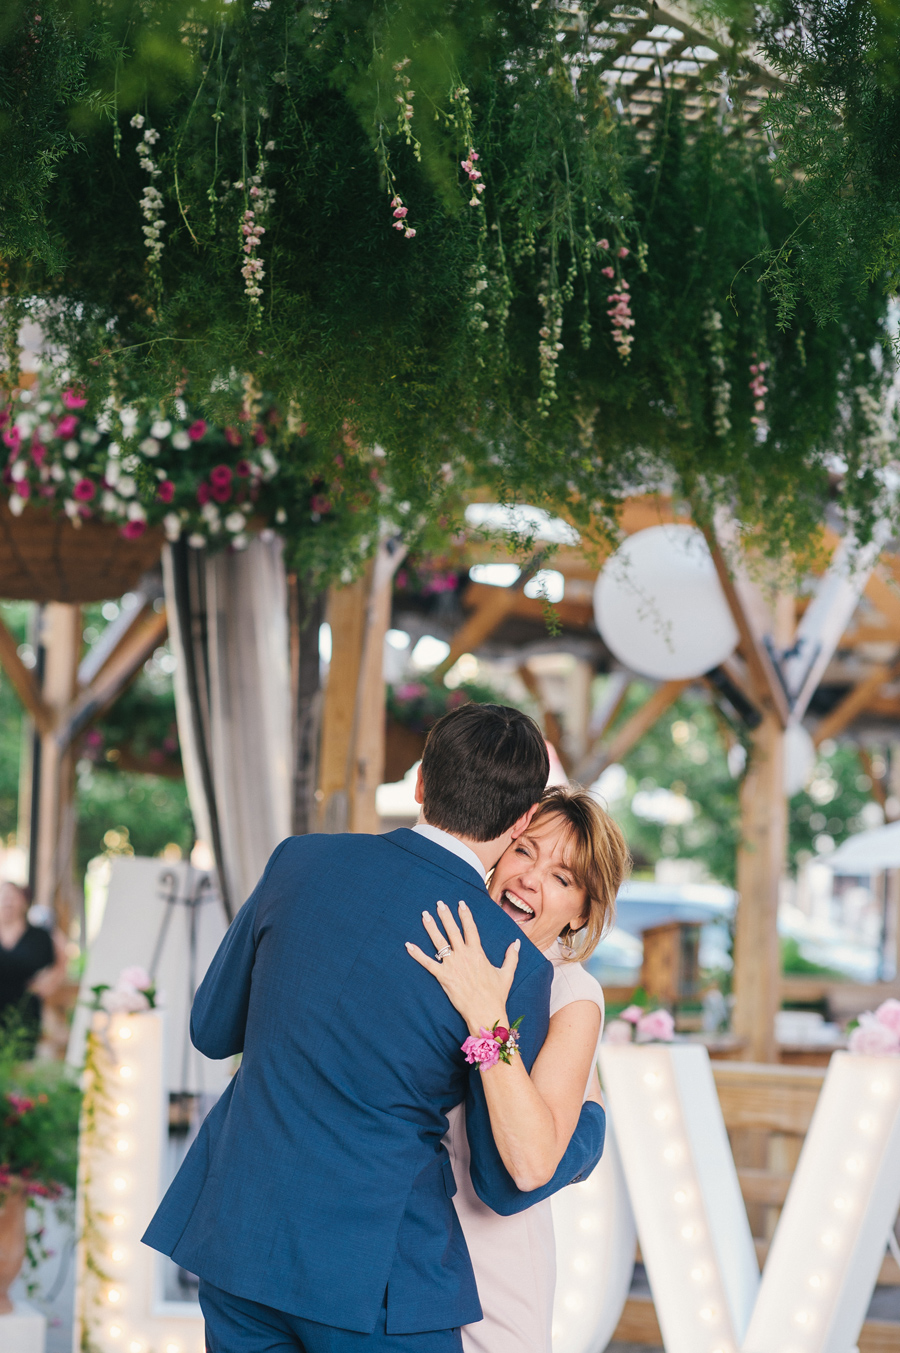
(514, 1258)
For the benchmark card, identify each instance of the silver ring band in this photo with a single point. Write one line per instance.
(447, 949)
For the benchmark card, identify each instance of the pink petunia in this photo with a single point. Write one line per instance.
(203, 494)
(13, 439)
(38, 450)
(23, 488)
(74, 397)
(221, 492)
(243, 469)
(166, 491)
(259, 436)
(84, 490)
(220, 475)
(197, 430)
(67, 425)
(132, 530)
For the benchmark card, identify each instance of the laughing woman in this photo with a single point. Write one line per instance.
(558, 882)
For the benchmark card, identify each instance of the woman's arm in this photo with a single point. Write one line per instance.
(532, 1117)
(51, 978)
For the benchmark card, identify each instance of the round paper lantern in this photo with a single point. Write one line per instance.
(659, 606)
(799, 758)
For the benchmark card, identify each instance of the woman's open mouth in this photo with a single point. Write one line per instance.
(516, 908)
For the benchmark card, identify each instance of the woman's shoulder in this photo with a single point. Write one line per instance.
(572, 982)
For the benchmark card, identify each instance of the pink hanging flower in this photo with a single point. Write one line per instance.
(220, 476)
(133, 530)
(243, 469)
(197, 430)
(623, 252)
(608, 272)
(320, 504)
(38, 451)
(23, 488)
(603, 244)
(67, 425)
(232, 436)
(203, 494)
(13, 439)
(84, 490)
(221, 492)
(74, 397)
(259, 436)
(166, 491)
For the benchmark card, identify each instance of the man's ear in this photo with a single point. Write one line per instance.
(524, 822)
(420, 786)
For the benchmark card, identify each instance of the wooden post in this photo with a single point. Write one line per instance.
(306, 614)
(760, 862)
(56, 812)
(347, 618)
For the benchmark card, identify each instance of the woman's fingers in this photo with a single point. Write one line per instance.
(448, 921)
(470, 929)
(435, 934)
(424, 961)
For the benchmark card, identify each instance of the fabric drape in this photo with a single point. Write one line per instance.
(229, 633)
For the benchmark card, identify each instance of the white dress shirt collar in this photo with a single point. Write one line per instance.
(451, 843)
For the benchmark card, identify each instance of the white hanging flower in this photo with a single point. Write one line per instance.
(196, 541)
(161, 428)
(126, 486)
(136, 512)
(19, 471)
(180, 440)
(240, 543)
(110, 503)
(71, 509)
(16, 505)
(57, 473)
(235, 521)
(113, 473)
(71, 450)
(172, 524)
(149, 446)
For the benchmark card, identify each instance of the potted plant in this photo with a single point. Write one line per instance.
(39, 1107)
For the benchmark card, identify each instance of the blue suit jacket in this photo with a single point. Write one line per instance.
(319, 1180)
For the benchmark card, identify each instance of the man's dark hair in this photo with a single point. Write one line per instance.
(482, 768)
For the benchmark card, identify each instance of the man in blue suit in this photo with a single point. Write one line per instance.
(315, 1204)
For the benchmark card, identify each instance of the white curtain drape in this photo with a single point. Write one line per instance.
(229, 633)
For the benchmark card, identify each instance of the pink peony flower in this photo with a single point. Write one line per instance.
(220, 475)
(658, 1025)
(197, 430)
(135, 977)
(133, 530)
(125, 1001)
(484, 1050)
(74, 397)
(84, 490)
(617, 1031)
(888, 1014)
(874, 1039)
(166, 491)
(67, 425)
(632, 1014)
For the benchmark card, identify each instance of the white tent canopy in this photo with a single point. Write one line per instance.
(867, 852)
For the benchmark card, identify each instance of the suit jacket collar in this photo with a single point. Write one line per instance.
(428, 850)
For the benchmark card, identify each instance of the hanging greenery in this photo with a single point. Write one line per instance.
(424, 228)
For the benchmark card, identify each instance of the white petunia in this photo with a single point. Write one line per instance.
(16, 505)
(113, 473)
(110, 503)
(71, 450)
(196, 541)
(172, 524)
(181, 441)
(235, 521)
(149, 446)
(57, 472)
(126, 486)
(161, 428)
(19, 471)
(136, 512)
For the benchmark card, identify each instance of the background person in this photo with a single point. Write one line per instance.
(32, 962)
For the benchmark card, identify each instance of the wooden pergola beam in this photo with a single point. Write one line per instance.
(631, 732)
(853, 703)
(552, 727)
(766, 681)
(24, 683)
(135, 646)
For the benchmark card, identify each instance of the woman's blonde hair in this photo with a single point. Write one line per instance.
(597, 856)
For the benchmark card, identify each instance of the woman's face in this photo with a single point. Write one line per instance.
(13, 903)
(534, 884)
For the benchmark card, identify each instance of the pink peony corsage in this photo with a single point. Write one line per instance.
(498, 1044)
(878, 1034)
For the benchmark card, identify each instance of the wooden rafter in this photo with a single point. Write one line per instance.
(766, 682)
(135, 646)
(23, 682)
(631, 732)
(552, 727)
(854, 702)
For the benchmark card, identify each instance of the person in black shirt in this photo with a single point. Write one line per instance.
(32, 962)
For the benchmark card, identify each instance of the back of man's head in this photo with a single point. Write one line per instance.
(483, 767)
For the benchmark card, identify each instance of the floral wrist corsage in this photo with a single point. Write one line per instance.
(498, 1044)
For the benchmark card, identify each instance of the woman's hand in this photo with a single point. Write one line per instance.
(474, 986)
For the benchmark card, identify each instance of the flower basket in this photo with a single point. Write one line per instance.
(43, 557)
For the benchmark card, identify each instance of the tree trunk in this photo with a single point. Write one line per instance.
(307, 611)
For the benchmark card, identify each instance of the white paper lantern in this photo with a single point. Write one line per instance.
(799, 758)
(659, 606)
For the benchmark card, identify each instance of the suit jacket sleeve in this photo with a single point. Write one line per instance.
(492, 1181)
(219, 1012)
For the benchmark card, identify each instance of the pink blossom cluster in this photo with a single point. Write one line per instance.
(400, 215)
(404, 95)
(758, 389)
(636, 1025)
(474, 177)
(134, 991)
(878, 1033)
(32, 1188)
(621, 319)
(152, 200)
(483, 1051)
(253, 270)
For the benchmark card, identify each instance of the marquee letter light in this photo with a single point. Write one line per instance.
(120, 1185)
(695, 1237)
(595, 1247)
(831, 1236)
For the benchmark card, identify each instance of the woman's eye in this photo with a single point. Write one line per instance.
(520, 850)
(564, 882)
